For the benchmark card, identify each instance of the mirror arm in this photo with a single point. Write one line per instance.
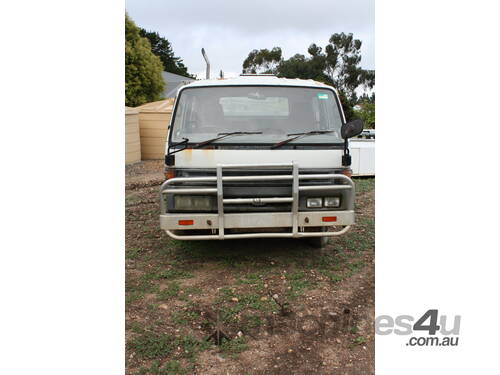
(346, 158)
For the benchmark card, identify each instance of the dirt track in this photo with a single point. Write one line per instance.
(286, 307)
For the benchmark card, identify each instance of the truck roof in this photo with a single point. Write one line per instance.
(259, 80)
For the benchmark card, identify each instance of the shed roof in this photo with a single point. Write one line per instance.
(130, 111)
(165, 105)
(173, 82)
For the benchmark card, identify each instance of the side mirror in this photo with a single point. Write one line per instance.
(351, 129)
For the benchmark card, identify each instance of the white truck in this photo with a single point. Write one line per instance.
(258, 156)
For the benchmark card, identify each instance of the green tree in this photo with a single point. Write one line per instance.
(338, 65)
(263, 61)
(299, 66)
(367, 98)
(343, 56)
(347, 106)
(366, 112)
(162, 48)
(143, 80)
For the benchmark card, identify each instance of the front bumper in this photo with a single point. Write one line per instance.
(261, 221)
(292, 224)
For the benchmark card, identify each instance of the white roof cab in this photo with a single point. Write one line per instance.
(258, 80)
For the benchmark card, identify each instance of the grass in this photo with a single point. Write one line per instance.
(250, 321)
(364, 184)
(332, 276)
(298, 284)
(172, 290)
(173, 273)
(170, 368)
(360, 340)
(234, 347)
(136, 288)
(232, 304)
(141, 285)
(251, 279)
(184, 317)
(235, 280)
(150, 345)
(133, 253)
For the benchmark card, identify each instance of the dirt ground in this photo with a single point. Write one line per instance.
(285, 307)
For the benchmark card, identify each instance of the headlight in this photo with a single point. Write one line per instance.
(332, 202)
(193, 202)
(314, 202)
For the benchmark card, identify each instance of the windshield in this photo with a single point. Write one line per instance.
(205, 112)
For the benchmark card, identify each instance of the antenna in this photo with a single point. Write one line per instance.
(208, 62)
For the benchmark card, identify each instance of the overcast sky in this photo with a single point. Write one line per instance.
(230, 29)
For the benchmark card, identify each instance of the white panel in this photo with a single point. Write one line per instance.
(363, 157)
(207, 158)
(367, 161)
(354, 160)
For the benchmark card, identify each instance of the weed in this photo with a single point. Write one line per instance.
(172, 290)
(233, 304)
(133, 253)
(233, 347)
(298, 284)
(172, 274)
(136, 327)
(152, 307)
(170, 368)
(132, 297)
(190, 346)
(193, 290)
(364, 185)
(150, 345)
(183, 317)
(251, 279)
(334, 277)
(137, 288)
(359, 341)
(251, 321)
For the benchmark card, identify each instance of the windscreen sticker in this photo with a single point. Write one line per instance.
(322, 96)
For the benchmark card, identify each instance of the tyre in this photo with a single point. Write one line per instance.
(319, 242)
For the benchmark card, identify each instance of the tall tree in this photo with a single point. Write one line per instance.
(162, 48)
(338, 65)
(366, 112)
(263, 61)
(143, 80)
(343, 56)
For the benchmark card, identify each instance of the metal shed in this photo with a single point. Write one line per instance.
(173, 82)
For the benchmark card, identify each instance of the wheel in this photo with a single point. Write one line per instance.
(319, 242)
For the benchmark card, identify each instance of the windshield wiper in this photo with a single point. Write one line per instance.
(184, 143)
(222, 135)
(300, 135)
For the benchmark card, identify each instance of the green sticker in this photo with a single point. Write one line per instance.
(322, 96)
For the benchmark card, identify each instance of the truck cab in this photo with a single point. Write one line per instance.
(258, 156)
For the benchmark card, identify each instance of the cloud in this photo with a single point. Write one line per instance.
(229, 30)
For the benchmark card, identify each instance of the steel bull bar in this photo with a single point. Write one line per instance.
(218, 222)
